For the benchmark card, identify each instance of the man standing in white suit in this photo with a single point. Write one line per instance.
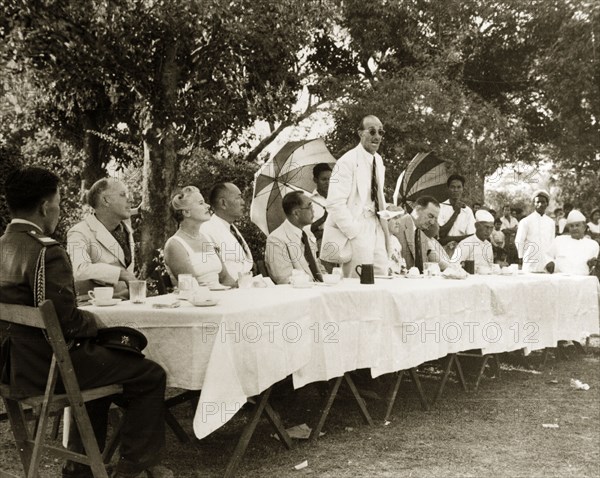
(354, 233)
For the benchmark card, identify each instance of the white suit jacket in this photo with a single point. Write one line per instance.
(348, 196)
(284, 252)
(534, 237)
(96, 255)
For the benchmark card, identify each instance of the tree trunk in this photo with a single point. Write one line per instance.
(161, 166)
(93, 168)
(159, 179)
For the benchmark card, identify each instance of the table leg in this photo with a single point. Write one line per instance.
(244, 440)
(314, 436)
(417, 382)
(359, 400)
(393, 394)
(275, 420)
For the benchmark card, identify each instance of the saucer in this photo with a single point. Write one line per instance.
(414, 277)
(384, 277)
(105, 303)
(218, 287)
(206, 303)
(308, 285)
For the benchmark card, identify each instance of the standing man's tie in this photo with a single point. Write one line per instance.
(310, 258)
(374, 195)
(418, 251)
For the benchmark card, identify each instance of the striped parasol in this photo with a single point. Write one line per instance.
(291, 169)
(426, 174)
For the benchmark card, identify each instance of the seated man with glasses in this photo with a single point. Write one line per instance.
(289, 247)
(354, 234)
(101, 246)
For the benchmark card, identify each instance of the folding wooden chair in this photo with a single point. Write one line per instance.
(32, 445)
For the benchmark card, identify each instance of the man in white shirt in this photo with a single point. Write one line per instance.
(227, 204)
(509, 223)
(354, 234)
(477, 247)
(573, 253)
(456, 219)
(321, 177)
(289, 247)
(101, 247)
(535, 234)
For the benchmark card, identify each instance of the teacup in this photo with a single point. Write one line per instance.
(299, 279)
(101, 294)
(483, 270)
(331, 278)
(200, 294)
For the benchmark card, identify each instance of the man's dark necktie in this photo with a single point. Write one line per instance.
(120, 234)
(418, 251)
(310, 258)
(374, 195)
(238, 237)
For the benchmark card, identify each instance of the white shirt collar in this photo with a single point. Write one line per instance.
(293, 229)
(16, 220)
(220, 220)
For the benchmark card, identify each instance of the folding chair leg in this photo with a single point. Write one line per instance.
(417, 382)
(392, 396)
(38, 444)
(88, 439)
(247, 434)
(359, 400)
(18, 425)
(116, 419)
(314, 436)
(56, 425)
(179, 432)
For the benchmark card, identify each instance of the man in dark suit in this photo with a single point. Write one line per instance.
(410, 234)
(34, 267)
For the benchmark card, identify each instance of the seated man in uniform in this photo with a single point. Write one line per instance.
(477, 247)
(101, 246)
(573, 253)
(289, 247)
(34, 267)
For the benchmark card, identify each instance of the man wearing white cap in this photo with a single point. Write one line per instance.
(574, 253)
(535, 234)
(477, 247)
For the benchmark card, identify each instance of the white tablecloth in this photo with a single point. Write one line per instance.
(256, 337)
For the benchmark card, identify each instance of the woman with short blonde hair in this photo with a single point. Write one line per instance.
(188, 251)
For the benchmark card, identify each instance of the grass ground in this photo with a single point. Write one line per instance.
(495, 432)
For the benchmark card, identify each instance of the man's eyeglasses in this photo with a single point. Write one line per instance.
(373, 131)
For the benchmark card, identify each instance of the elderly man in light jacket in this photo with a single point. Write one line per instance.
(354, 234)
(101, 246)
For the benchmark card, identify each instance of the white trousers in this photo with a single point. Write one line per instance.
(368, 248)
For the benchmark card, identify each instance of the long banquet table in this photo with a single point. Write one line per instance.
(254, 338)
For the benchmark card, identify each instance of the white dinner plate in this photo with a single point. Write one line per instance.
(105, 303)
(206, 303)
(218, 287)
(414, 277)
(384, 277)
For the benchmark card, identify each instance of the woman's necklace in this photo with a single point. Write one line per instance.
(195, 238)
